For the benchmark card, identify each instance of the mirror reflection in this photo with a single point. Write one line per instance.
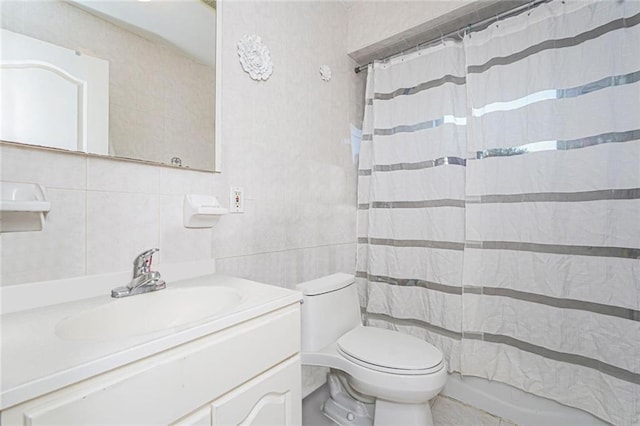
(161, 73)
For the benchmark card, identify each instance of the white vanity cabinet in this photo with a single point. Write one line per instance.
(266, 400)
(246, 374)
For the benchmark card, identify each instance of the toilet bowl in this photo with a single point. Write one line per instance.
(400, 372)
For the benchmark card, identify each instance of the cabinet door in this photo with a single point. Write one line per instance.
(201, 417)
(162, 388)
(273, 398)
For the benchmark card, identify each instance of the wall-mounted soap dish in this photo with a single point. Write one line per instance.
(22, 206)
(202, 211)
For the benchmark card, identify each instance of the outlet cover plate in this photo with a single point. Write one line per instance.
(236, 200)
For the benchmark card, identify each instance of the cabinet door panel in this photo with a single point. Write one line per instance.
(271, 409)
(272, 398)
(167, 386)
(202, 417)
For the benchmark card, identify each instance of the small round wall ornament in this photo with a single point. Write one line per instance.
(325, 72)
(255, 57)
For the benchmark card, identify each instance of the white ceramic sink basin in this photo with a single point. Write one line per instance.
(149, 312)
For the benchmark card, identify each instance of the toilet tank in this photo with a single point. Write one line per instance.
(330, 308)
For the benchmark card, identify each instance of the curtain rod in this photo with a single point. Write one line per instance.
(477, 26)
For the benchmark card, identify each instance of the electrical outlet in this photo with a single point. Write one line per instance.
(236, 200)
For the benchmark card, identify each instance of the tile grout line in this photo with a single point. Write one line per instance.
(86, 216)
(286, 250)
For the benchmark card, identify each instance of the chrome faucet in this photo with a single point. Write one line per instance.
(144, 279)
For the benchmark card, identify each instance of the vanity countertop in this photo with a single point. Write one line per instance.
(35, 361)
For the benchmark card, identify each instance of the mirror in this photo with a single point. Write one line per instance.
(161, 81)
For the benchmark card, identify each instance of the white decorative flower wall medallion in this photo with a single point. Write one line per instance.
(255, 57)
(325, 72)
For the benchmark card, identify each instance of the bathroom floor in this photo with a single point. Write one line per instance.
(446, 412)
(450, 412)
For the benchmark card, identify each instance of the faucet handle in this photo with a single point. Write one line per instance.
(148, 253)
(142, 262)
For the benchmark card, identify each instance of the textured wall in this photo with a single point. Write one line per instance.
(283, 142)
(103, 213)
(373, 21)
(160, 101)
(378, 29)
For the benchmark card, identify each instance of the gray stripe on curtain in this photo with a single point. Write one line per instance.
(558, 197)
(403, 282)
(422, 204)
(415, 323)
(598, 251)
(569, 358)
(408, 128)
(421, 87)
(530, 197)
(561, 145)
(557, 44)
(443, 245)
(557, 302)
(612, 81)
(572, 92)
(609, 369)
(421, 165)
(442, 161)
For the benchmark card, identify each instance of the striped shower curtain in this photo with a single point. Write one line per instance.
(411, 184)
(499, 203)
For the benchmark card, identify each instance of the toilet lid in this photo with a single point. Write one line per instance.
(389, 351)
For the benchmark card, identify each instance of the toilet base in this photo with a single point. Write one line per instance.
(392, 414)
(342, 408)
(345, 410)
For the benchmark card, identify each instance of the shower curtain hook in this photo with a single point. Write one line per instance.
(529, 7)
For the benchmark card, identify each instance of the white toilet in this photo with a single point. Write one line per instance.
(397, 372)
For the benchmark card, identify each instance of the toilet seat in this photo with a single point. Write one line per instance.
(399, 354)
(395, 386)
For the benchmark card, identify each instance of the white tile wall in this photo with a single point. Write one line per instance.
(104, 174)
(373, 22)
(56, 170)
(282, 141)
(52, 253)
(103, 213)
(290, 267)
(119, 225)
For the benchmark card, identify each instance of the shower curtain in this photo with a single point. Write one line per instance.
(499, 203)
